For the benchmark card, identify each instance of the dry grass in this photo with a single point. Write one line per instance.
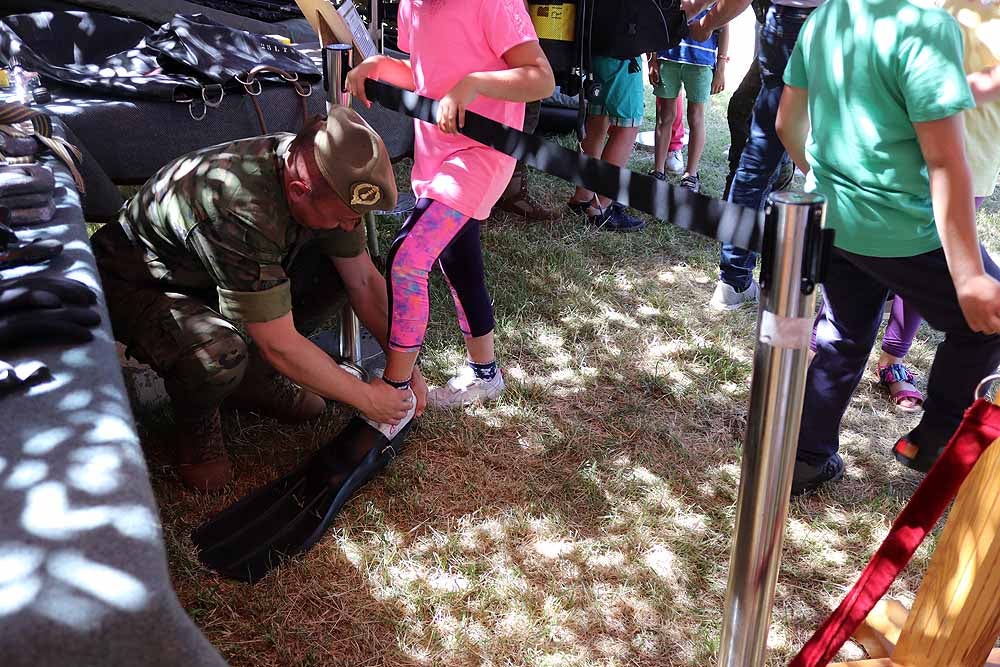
(583, 520)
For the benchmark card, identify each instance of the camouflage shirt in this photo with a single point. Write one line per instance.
(218, 218)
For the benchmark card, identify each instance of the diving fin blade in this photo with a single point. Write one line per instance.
(288, 516)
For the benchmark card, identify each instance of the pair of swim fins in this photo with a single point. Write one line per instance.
(289, 515)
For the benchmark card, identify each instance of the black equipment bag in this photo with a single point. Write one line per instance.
(197, 45)
(192, 59)
(91, 50)
(630, 28)
(571, 32)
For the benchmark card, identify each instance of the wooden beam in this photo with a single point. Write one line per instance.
(994, 661)
(955, 618)
(330, 26)
(879, 632)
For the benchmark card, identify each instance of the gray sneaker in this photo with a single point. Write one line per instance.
(726, 297)
(466, 389)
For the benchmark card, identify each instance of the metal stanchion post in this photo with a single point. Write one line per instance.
(336, 64)
(793, 262)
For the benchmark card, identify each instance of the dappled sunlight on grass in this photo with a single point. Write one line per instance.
(583, 519)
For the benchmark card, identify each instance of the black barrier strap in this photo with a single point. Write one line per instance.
(716, 219)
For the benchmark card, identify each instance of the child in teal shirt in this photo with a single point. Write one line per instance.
(872, 112)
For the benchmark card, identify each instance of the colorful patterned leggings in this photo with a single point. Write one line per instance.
(436, 235)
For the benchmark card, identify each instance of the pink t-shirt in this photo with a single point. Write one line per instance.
(446, 40)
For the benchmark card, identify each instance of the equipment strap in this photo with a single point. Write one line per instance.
(716, 219)
(979, 429)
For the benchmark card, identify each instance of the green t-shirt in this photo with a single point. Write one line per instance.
(872, 69)
(218, 218)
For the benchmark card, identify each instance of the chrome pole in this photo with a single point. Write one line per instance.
(336, 64)
(793, 222)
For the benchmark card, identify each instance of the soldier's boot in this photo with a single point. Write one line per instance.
(269, 393)
(201, 459)
(518, 201)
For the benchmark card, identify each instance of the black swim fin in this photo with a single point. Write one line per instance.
(289, 515)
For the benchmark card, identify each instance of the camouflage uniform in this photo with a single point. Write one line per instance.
(209, 242)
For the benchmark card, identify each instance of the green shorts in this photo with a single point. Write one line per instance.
(697, 80)
(621, 92)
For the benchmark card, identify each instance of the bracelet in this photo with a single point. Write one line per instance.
(722, 58)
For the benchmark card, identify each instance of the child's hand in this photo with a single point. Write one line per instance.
(451, 110)
(654, 72)
(719, 79)
(979, 298)
(357, 76)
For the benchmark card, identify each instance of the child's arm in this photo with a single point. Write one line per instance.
(943, 145)
(654, 70)
(527, 79)
(383, 68)
(719, 79)
(719, 15)
(985, 85)
(792, 124)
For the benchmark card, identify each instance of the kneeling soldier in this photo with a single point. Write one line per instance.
(209, 261)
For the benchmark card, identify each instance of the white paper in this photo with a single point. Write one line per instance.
(362, 40)
(790, 333)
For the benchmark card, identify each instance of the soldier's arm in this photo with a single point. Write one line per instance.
(299, 359)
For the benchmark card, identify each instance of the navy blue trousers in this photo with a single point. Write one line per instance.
(855, 292)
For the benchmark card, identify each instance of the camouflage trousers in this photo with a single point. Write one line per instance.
(201, 356)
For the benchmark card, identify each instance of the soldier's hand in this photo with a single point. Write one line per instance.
(385, 404)
(419, 387)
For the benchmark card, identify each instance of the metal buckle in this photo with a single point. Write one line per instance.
(212, 103)
(191, 107)
(986, 380)
(303, 90)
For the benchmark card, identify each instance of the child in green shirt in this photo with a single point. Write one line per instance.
(872, 112)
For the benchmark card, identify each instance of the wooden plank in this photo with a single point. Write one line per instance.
(879, 632)
(324, 19)
(994, 661)
(955, 618)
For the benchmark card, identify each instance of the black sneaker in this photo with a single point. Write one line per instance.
(807, 478)
(692, 183)
(615, 219)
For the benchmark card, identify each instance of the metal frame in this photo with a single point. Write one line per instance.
(789, 273)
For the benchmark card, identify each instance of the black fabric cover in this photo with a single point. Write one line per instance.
(630, 28)
(124, 57)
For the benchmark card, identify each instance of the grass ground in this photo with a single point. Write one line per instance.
(586, 518)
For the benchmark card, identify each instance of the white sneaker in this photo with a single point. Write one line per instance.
(726, 297)
(390, 431)
(675, 162)
(466, 389)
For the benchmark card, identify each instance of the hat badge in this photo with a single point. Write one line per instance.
(365, 194)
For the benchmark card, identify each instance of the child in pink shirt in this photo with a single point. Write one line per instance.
(476, 55)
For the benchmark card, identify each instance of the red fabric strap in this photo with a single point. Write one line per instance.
(978, 430)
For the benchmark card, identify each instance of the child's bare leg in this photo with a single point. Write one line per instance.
(666, 112)
(592, 145)
(696, 139)
(617, 151)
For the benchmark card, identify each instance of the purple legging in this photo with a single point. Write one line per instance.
(436, 234)
(899, 332)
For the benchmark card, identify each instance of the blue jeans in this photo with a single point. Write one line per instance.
(854, 294)
(761, 160)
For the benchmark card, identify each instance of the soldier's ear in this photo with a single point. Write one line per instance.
(298, 189)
